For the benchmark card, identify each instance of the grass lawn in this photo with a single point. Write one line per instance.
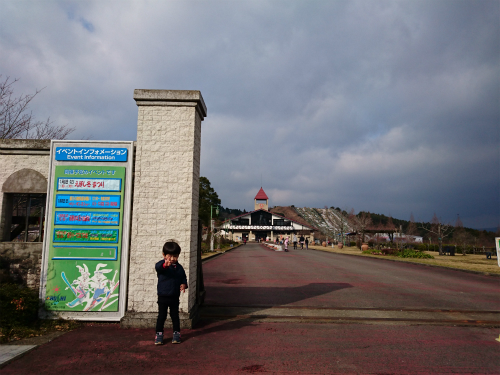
(469, 262)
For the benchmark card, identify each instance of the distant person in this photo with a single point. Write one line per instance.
(171, 282)
(286, 244)
(301, 239)
(307, 243)
(244, 240)
(294, 241)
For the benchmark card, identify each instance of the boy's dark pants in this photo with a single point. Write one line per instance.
(165, 303)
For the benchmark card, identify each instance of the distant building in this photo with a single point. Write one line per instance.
(263, 225)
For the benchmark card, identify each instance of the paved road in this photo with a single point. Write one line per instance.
(315, 283)
(253, 288)
(244, 347)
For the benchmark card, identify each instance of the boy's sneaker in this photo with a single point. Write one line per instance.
(159, 339)
(177, 338)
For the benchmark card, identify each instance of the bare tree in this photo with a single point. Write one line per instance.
(411, 231)
(438, 229)
(338, 221)
(460, 236)
(360, 222)
(16, 119)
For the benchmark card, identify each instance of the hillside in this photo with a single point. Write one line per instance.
(328, 220)
(291, 213)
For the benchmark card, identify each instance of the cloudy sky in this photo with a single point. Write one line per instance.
(391, 107)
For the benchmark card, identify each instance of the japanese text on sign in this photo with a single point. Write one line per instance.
(86, 172)
(94, 184)
(88, 201)
(86, 235)
(91, 154)
(87, 218)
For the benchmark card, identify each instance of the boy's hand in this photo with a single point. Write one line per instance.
(183, 288)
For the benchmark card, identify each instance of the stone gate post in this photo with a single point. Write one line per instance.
(165, 198)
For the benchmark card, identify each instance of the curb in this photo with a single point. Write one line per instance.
(210, 257)
(407, 262)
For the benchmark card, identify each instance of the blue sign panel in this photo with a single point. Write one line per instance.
(91, 154)
(86, 218)
(87, 201)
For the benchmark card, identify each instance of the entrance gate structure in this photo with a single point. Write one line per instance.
(165, 199)
(164, 206)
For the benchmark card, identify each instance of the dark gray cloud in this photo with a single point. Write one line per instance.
(386, 106)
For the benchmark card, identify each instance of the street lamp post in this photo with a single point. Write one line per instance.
(212, 224)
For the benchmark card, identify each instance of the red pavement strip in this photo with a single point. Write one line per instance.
(241, 346)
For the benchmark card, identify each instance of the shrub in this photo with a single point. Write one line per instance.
(389, 251)
(18, 305)
(381, 251)
(414, 254)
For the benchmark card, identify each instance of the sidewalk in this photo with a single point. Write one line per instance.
(16, 349)
(10, 352)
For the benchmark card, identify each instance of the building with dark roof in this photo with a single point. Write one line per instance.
(263, 225)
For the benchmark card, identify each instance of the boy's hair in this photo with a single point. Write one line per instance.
(171, 248)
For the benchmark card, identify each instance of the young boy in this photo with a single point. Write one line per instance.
(171, 282)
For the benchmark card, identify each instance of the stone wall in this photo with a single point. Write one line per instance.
(21, 262)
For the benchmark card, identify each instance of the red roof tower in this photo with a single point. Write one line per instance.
(259, 198)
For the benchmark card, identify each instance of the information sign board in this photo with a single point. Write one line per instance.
(85, 258)
(497, 243)
(98, 154)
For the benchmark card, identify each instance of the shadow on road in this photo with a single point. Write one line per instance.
(234, 295)
(258, 297)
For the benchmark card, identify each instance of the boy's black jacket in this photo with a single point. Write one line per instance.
(170, 279)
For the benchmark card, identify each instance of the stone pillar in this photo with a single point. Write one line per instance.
(165, 201)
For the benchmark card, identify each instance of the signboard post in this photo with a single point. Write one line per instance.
(85, 251)
(497, 243)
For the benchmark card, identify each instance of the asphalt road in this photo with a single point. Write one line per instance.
(295, 313)
(254, 275)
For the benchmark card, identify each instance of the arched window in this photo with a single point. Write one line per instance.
(23, 206)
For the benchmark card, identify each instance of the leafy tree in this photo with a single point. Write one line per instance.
(16, 119)
(208, 198)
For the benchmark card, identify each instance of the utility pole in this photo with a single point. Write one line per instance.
(212, 225)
